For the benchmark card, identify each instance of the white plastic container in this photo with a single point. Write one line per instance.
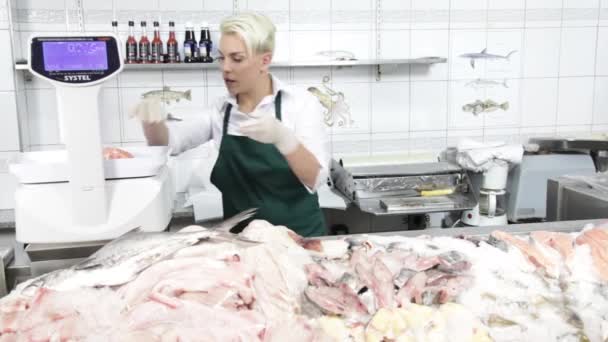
(52, 166)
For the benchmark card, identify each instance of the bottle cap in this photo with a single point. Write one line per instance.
(131, 23)
(156, 24)
(171, 24)
(143, 23)
(114, 23)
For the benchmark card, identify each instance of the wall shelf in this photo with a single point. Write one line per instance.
(378, 63)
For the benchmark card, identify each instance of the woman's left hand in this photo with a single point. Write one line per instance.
(268, 130)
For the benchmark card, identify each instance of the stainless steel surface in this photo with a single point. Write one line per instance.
(397, 189)
(415, 169)
(337, 63)
(596, 148)
(527, 182)
(573, 198)
(7, 254)
(601, 161)
(569, 145)
(7, 219)
(42, 252)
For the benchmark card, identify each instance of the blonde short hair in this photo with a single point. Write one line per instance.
(256, 30)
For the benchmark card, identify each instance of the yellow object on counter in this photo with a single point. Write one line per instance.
(438, 192)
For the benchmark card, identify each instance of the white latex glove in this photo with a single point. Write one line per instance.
(149, 110)
(268, 130)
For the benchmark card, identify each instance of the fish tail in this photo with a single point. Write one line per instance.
(188, 95)
(504, 83)
(505, 106)
(509, 54)
(226, 225)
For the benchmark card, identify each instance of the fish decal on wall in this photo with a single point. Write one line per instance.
(485, 55)
(482, 83)
(486, 106)
(334, 102)
(167, 95)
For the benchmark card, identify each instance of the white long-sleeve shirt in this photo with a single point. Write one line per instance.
(301, 112)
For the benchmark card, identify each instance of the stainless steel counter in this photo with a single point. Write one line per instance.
(7, 219)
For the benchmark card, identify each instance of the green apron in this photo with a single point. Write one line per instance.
(255, 175)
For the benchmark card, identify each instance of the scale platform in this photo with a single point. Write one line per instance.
(53, 166)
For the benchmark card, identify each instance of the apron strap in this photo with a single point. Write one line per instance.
(277, 106)
(277, 110)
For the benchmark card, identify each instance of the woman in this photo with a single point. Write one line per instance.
(271, 138)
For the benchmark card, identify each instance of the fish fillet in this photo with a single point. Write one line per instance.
(561, 242)
(536, 257)
(597, 240)
(115, 153)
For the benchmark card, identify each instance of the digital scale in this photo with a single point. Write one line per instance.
(74, 195)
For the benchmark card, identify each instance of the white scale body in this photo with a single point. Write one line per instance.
(74, 195)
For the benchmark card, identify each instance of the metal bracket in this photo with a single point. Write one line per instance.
(80, 11)
(378, 23)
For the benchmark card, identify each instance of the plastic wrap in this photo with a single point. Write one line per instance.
(417, 183)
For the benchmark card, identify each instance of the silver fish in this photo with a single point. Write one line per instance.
(481, 83)
(167, 95)
(485, 55)
(484, 106)
(122, 259)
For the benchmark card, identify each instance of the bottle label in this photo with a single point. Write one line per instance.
(187, 50)
(156, 51)
(131, 52)
(144, 52)
(204, 50)
(172, 52)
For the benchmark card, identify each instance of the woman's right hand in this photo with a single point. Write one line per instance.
(149, 111)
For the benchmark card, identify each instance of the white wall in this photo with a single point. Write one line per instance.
(557, 80)
(9, 128)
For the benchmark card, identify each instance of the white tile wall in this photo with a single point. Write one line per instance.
(469, 14)
(578, 51)
(601, 59)
(581, 12)
(6, 63)
(600, 104)
(429, 43)
(506, 14)
(541, 53)
(575, 103)
(390, 106)
(429, 106)
(9, 138)
(4, 15)
(543, 13)
(8, 186)
(539, 102)
(557, 79)
(430, 14)
(502, 42)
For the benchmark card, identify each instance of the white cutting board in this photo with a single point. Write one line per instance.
(52, 166)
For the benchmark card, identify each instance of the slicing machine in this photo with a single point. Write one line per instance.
(74, 195)
(407, 190)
